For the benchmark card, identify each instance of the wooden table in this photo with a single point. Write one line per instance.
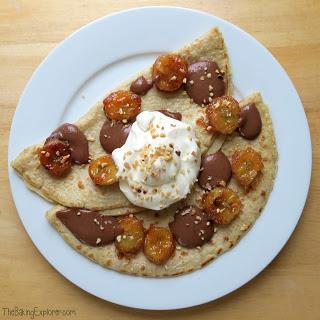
(290, 287)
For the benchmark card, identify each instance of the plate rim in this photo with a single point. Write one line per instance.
(146, 8)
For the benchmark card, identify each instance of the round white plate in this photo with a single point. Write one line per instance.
(102, 54)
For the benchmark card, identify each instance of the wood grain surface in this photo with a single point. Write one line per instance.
(289, 288)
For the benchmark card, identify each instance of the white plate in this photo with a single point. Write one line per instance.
(102, 54)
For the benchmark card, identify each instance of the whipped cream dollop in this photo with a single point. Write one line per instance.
(160, 161)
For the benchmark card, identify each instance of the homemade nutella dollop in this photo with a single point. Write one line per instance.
(250, 122)
(141, 86)
(90, 227)
(159, 162)
(191, 227)
(204, 82)
(171, 114)
(215, 170)
(76, 140)
(113, 135)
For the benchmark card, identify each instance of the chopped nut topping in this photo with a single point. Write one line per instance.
(91, 139)
(244, 227)
(65, 158)
(80, 185)
(127, 165)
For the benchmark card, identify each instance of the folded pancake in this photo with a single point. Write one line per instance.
(77, 189)
(225, 237)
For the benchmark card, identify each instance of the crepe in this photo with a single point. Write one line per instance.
(187, 260)
(77, 189)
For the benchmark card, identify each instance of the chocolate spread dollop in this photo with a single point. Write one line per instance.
(76, 140)
(191, 227)
(250, 122)
(215, 170)
(141, 86)
(90, 227)
(204, 82)
(113, 135)
(173, 115)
